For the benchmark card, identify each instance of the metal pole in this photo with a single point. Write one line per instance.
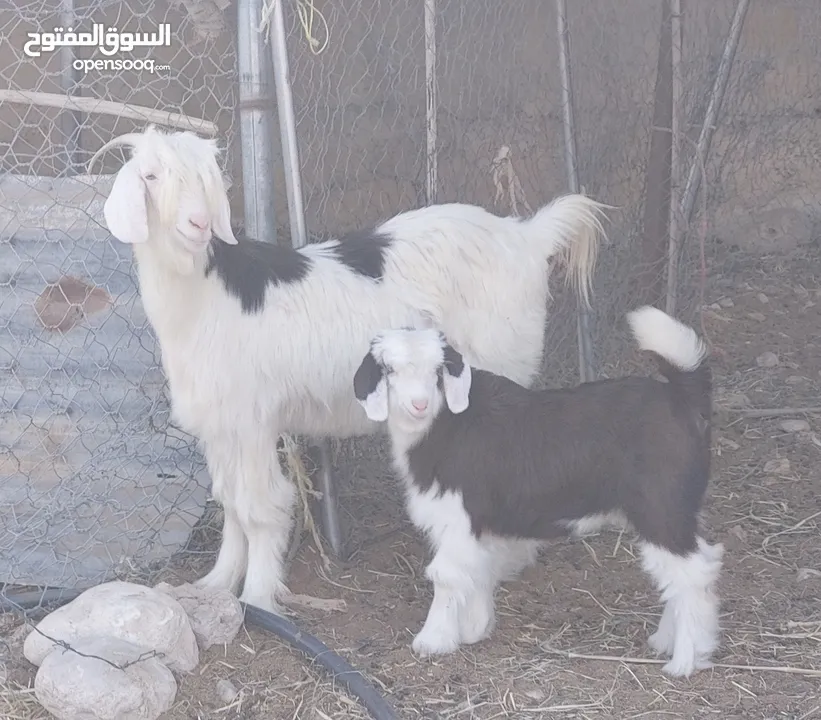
(675, 141)
(287, 127)
(430, 93)
(708, 127)
(70, 120)
(585, 340)
(255, 124)
(293, 181)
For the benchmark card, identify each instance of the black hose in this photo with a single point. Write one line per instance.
(313, 647)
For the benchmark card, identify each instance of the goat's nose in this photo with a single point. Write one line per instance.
(420, 405)
(199, 221)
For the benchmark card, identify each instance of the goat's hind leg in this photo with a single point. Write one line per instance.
(689, 626)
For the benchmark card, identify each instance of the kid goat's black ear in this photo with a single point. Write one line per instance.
(367, 377)
(454, 363)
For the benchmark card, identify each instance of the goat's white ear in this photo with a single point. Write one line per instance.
(456, 379)
(371, 388)
(125, 209)
(222, 215)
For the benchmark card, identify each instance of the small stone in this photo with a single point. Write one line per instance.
(777, 467)
(762, 298)
(736, 400)
(226, 691)
(795, 380)
(739, 532)
(94, 685)
(134, 613)
(760, 317)
(805, 574)
(726, 302)
(767, 360)
(714, 306)
(729, 444)
(215, 615)
(794, 426)
(537, 695)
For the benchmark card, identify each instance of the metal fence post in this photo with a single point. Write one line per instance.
(255, 123)
(299, 236)
(586, 369)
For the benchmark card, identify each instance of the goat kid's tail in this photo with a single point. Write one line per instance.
(571, 224)
(679, 347)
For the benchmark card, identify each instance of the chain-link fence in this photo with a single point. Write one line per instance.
(94, 477)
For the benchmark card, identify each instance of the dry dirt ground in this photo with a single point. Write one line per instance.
(571, 636)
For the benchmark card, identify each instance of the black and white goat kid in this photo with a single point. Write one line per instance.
(492, 470)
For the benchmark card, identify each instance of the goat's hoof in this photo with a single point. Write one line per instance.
(474, 630)
(264, 603)
(661, 643)
(427, 644)
(684, 668)
(216, 583)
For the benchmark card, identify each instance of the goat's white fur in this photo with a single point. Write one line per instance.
(466, 570)
(240, 380)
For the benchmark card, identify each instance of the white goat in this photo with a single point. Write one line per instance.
(492, 470)
(259, 340)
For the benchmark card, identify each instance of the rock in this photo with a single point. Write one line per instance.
(805, 574)
(215, 615)
(762, 298)
(796, 380)
(767, 360)
(226, 691)
(726, 302)
(777, 467)
(79, 687)
(794, 426)
(736, 400)
(134, 613)
(760, 317)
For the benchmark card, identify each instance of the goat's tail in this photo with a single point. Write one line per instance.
(571, 225)
(680, 351)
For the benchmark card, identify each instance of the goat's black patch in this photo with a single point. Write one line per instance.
(454, 363)
(363, 252)
(367, 377)
(526, 461)
(249, 267)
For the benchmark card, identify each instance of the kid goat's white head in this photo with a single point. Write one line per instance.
(407, 374)
(172, 190)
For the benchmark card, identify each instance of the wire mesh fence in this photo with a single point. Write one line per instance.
(95, 478)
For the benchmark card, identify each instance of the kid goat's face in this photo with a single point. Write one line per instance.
(405, 377)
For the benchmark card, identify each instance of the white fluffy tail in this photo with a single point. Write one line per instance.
(677, 343)
(571, 224)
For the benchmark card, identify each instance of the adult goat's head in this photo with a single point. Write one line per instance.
(170, 191)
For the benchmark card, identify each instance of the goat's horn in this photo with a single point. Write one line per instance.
(127, 139)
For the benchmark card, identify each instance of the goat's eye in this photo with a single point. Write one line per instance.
(150, 176)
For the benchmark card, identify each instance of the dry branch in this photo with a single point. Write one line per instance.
(109, 107)
(772, 412)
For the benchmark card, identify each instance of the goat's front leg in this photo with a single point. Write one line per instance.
(462, 607)
(229, 568)
(232, 557)
(258, 502)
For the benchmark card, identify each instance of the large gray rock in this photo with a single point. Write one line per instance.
(215, 615)
(137, 614)
(90, 687)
